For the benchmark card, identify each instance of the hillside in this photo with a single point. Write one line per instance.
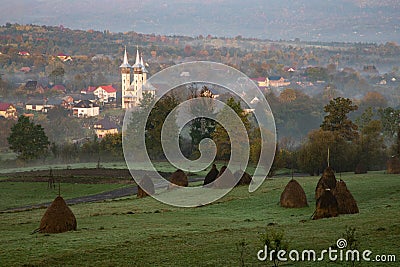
(312, 20)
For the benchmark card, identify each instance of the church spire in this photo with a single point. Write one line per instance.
(143, 66)
(125, 63)
(137, 62)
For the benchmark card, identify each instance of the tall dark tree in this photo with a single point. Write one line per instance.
(201, 127)
(337, 120)
(28, 140)
(57, 75)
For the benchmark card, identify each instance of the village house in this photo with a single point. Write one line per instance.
(88, 90)
(104, 127)
(276, 81)
(36, 105)
(34, 87)
(85, 108)
(59, 88)
(105, 93)
(64, 57)
(8, 110)
(67, 102)
(42, 105)
(24, 53)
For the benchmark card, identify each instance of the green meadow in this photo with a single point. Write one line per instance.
(144, 232)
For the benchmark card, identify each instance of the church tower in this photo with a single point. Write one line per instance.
(126, 79)
(132, 93)
(138, 78)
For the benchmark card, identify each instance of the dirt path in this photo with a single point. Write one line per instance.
(113, 194)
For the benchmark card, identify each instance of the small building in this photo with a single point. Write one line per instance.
(104, 127)
(85, 108)
(24, 53)
(260, 81)
(42, 105)
(67, 102)
(88, 90)
(276, 81)
(105, 93)
(59, 88)
(8, 110)
(34, 87)
(25, 69)
(64, 57)
(36, 105)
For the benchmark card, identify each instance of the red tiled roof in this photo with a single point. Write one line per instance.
(4, 106)
(108, 88)
(259, 79)
(59, 87)
(90, 89)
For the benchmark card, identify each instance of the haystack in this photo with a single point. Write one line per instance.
(178, 178)
(145, 187)
(293, 196)
(225, 179)
(245, 179)
(346, 202)
(361, 168)
(327, 181)
(327, 206)
(58, 218)
(211, 175)
(393, 166)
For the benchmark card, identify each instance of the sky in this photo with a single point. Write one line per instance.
(310, 20)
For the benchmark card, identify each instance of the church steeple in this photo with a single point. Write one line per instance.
(137, 61)
(143, 66)
(125, 63)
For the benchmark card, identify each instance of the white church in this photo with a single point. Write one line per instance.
(132, 93)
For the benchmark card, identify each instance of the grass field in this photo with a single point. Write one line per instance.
(144, 232)
(17, 194)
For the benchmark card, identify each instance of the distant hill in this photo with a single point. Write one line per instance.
(312, 20)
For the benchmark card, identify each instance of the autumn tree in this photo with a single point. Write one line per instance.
(57, 75)
(337, 118)
(28, 140)
(313, 154)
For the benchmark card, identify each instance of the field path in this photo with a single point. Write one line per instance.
(116, 193)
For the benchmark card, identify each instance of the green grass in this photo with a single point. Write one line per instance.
(8, 156)
(144, 232)
(162, 166)
(115, 165)
(17, 194)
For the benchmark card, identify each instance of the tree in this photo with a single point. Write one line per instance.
(337, 120)
(313, 158)
(201, 127)
(28, 140)
(220, 135)
(111, 146)
(57, 75)
(371, 145)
